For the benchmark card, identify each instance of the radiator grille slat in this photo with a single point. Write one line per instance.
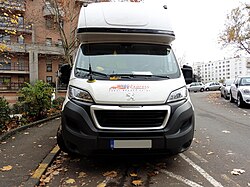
(130, 118)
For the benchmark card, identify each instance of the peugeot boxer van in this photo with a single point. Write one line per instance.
(126, 92)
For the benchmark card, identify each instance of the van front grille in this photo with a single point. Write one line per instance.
(130, 118)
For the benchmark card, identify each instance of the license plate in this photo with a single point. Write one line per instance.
(116, 144)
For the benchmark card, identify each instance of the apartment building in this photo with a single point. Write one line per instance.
(36, 47)
(222, 69)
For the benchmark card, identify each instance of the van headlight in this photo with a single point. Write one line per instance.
(178, 95)
(78, 94)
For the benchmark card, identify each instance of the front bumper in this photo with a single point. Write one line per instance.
(246, 99)
(82, 136)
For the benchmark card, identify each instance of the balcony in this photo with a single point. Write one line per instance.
(13, 69)
(41, 48)
(5, 24)
(50, 10)
(17, 5)
(11, 86)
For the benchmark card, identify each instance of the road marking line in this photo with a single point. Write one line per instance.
(180, 178)
(55, 149)
(198, 156)
(226, 178)
(201, 171)
(39, 171)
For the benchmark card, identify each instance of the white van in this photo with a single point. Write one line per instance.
(126, 92)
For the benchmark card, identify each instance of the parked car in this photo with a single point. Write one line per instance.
(212, 86)
(196, 86)
(240, 91)
(225, 88)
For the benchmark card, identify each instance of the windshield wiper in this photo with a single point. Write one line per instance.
(160, 76)
(91, 72)
(128, 75)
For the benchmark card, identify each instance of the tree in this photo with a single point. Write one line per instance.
(36, 99)
(9, 21)
(65, 12)
(237, 29)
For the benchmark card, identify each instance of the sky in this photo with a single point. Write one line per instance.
(197, 25)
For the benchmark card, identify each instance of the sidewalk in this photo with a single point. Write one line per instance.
(23, 151)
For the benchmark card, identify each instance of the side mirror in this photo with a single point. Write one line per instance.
(65, 71)
(187, 73)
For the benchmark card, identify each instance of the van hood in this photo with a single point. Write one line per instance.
(129, 92)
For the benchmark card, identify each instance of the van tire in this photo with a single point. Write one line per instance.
(61, 143)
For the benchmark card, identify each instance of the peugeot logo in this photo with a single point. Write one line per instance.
(130, 96)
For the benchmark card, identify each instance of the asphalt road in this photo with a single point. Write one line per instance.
(219, 156)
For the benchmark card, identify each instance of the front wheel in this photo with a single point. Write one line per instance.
(61, 143)
(207, 89)
(240, 102)
(202, 90)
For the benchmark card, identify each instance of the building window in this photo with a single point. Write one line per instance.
(49, 23)
(4, 65)
(20, 64)
(48, 41)
(59, 42)
(49, 65)
(20, 21)
(61, 23)
(5, 80)
(5, 39)
(49, 79)
(20, 39)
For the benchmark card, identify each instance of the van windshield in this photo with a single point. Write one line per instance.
(114, 59)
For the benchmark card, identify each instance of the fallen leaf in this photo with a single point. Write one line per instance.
(26, 133)
(55, 173)
(137, 182)
(70, 181)
(210, 153)
(47, 180)
(133, 174)
(111, 174)
(226, 132)
(153, 173)
(248, 184)
(39, 145)
(81, 175)
(101, 185)
(237, 171)
(6, 168)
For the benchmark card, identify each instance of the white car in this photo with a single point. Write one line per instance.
(225, 88)
(212, 86)
(196, 86)
(240, 91)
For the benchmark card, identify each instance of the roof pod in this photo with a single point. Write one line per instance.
(124, 22)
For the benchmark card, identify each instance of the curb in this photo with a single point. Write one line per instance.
(14, 131)
(35, 178)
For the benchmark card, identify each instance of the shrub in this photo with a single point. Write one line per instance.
(57, 103)
(4, 113)
(35, 100)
